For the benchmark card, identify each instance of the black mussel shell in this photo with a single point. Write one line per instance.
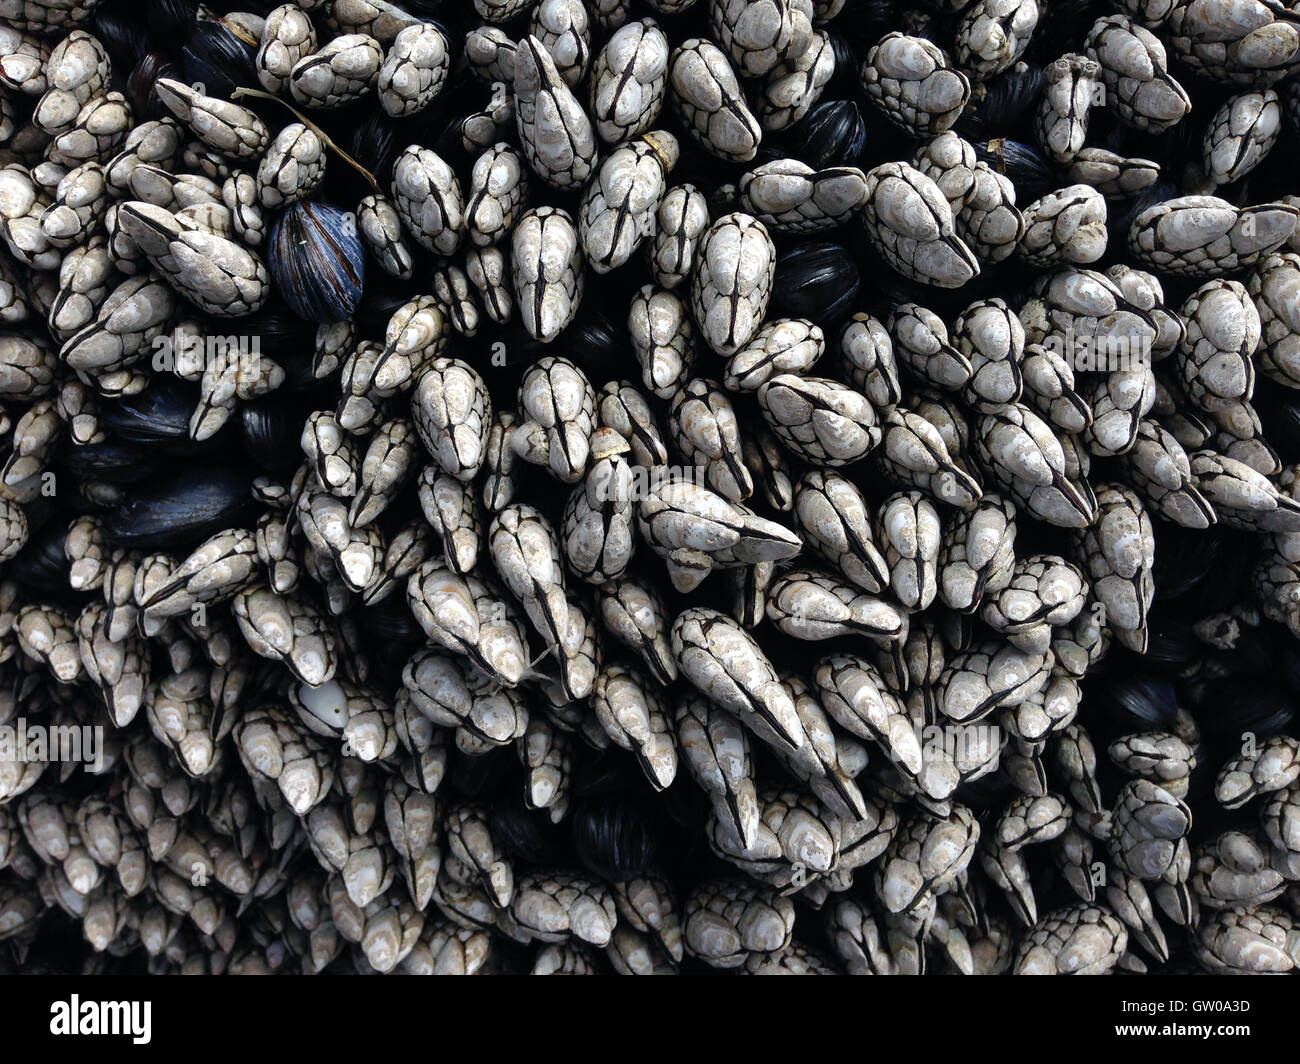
(1066, 26)
(769, 151)
(1289, 666)
(1028, 170)
(220, 57)
(818, 281)
(591, 341)
(1203, 570)
(169, 18)
(1122, 219)
(595, 342)
(40, 511)
(697, 167)
(1175, 147)
(426, 9)
(889, 290)
(1135, 701)
(264, 7)
(317, 261)
(124, 39)
(483, 776)
(160, 412)
(143, 82)
(279, 334)
(844, 79)
(373, 140)
(1171, 644)
(684, 807)
(1253, 649)
(831, 134)
(181, 508)
(1279, 411)
(613, 837)
(298, 375)
(988, 792)
(1275, 176)
(868, 21)
(391, 620)
(270, 430)
(605, 773)
(1005, 103)
(1230, 706)
(450, 142)
(378, 305)
(376, 142)
(42, 564)
(113, 461)
(526, 834)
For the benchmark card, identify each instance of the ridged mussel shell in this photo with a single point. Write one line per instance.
(526, 834)
(1136, 701)
(1028, 170)
(317, 261)
(390, 621)
(270, 428)
(832, 134)
(817, 280)
(124, 38)
(42, 564)
(220, 56)
(613, 837)
(167, 17)
(283, 336)
(374, 142)
(160, 413)
(143, 82)
(1003, 103)
(1234, 705)
(112, 461)
(181, 508)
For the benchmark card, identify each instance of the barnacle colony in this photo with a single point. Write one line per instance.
(780, 487)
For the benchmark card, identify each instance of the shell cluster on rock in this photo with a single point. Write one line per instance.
(648, 486)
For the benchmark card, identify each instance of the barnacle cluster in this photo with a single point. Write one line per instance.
(576, 486)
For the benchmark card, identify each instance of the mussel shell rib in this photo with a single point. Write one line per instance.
(181, 508)
(317, 261)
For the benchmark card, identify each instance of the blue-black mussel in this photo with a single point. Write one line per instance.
(818, 280)
(317, 260)
(159, 415)
(182, 507)
(833, 133)
(219, 54)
